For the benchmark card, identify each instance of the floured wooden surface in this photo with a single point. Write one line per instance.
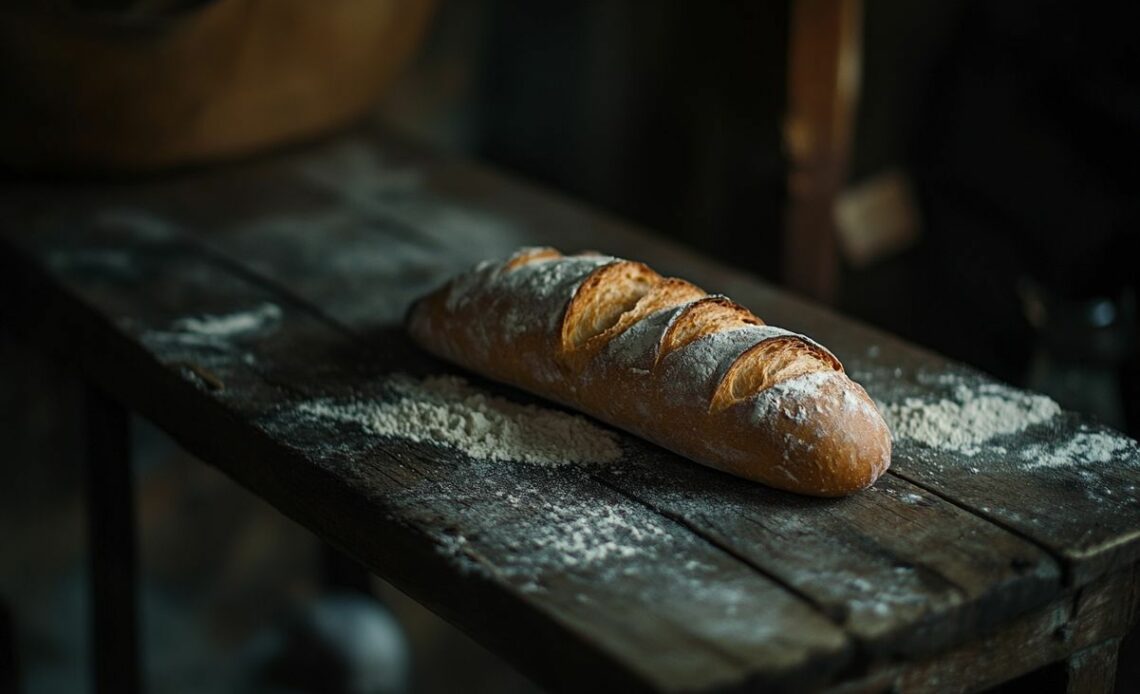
(448, 411)
(254, 313)
(432, 198)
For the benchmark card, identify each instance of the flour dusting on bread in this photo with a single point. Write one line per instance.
(657, 356)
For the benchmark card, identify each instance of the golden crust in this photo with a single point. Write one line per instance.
(526, 256)
(710, 314)
(769, 362)
(664, 294)
(696, 374)
(603, 298)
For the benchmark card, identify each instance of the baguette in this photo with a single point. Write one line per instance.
(661, 358)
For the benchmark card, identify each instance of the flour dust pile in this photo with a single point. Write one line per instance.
(969, 418)
(972, 418)
(1086, 448)
(447, 410)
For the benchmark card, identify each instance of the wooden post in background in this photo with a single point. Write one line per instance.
(824, 55)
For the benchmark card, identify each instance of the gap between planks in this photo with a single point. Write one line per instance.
(1061, 560)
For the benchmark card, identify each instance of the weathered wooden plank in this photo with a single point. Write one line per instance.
(430, 217)
(949, 574)
(519, 555)
(903, 570)
(382, 224)
(1086, 621)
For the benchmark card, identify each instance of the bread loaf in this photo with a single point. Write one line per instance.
(695, 373)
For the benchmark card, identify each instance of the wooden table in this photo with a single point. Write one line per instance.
(951, 573)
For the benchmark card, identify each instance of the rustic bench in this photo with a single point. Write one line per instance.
(953, 572)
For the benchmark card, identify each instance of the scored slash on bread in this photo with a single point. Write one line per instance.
(658, 356)
(772, 360)
(710, 314)
(605, 296)
(613, 298)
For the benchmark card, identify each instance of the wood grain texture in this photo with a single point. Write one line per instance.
(1080, 630)
(903, 570)
(1093, 670)
(751, 586)
(494, 547)
(389, 222)
(824, 64)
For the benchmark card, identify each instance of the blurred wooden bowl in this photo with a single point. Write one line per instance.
(216, 79)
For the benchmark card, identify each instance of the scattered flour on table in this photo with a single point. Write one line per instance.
(573, 533)
(230, 324)
(448, 411)
(969, 418)
(1084, 448)
(212, 341)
